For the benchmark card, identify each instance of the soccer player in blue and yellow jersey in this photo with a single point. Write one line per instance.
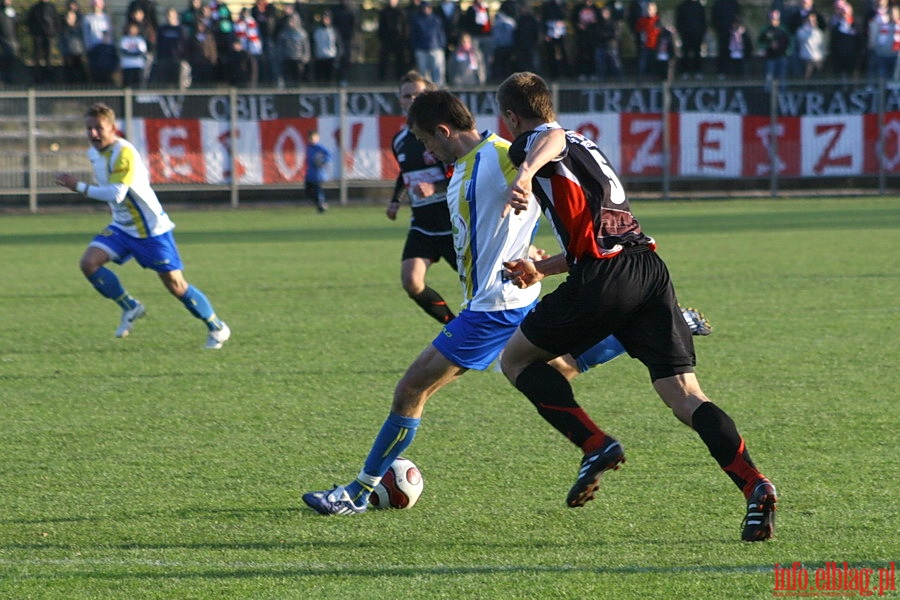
(492, 306)
(140, 228)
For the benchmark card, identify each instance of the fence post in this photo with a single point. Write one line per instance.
(344, 150)
(129, 113)
(667, 138)
(879, 146)
(773, 138)
(32, 152)
(233, 144)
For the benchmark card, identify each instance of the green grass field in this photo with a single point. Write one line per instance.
(150, 468)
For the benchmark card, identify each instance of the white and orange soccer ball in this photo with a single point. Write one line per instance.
(400, 487)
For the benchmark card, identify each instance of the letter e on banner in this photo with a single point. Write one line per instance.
(174, 150)
(711, 145)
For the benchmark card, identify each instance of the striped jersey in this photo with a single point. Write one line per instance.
(583, 198)
(418, 165)
(121, 180)
(477, 194)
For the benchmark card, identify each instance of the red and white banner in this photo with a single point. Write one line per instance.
(714, 136)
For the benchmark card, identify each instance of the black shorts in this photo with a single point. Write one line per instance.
(432, 247)
(630, 296)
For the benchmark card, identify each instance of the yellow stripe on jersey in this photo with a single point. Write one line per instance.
(477, 195)
(121, 171)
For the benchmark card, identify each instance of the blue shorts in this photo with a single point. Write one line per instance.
(158, 253)
(474, 339)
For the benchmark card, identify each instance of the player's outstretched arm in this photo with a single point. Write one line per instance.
(547, 146)
(111, 192)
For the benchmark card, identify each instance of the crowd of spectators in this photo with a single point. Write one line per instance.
(472, 43)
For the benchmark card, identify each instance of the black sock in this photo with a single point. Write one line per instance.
(552, 395)
(725, 444)
(432, 303)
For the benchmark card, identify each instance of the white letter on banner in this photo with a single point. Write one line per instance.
(172, 153)
(645, 158)
(171, 106)
(289, 139)
(764, 134)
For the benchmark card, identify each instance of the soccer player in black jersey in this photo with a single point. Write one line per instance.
(618, 285)
(423, 179)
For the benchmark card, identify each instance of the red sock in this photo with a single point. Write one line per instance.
(743, 471)
(552, 395)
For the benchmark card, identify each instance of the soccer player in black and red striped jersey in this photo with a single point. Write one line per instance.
(616, 285)
(423, 180)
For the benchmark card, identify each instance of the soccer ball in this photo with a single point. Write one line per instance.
(400, 487)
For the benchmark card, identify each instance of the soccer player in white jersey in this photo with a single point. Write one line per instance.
(492, 308)
(140, 228)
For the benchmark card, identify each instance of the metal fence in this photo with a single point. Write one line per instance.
(669, 139)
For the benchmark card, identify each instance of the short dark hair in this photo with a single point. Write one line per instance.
(416, 77)
(527, 95)
(436, 107)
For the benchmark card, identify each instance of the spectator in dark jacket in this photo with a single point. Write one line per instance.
(238, 66)
(503, 41)
(42, 25)
(71, 46)
(664, 53)
(9, 43)
(450, 15)
(294, 50)
(426, 37)
(103, 60)
(393, 40)
(846, 43)
(170, 52)
(585, 20)
(265, 14)
(775, 44)
(690, 23)
(202, 54)
(608, 60)
(476, 21)
(739, 50)
(527, 38)
(343, 18)
(724, 12)
(555, 38)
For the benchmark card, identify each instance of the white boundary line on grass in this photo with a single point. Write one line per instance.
(323, 569)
